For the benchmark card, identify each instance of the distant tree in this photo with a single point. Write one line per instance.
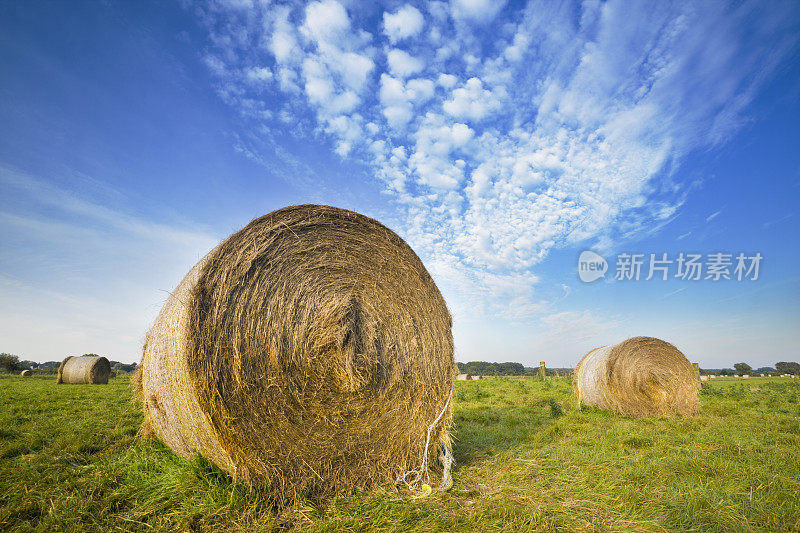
(764, 370)
(24, 365)
(787, 368)
(725, 372)
(483, 368)
(124, 367)
(743, 368)
(9, 363)
(511, 369)
(50, 367)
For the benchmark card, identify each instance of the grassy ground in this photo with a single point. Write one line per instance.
(527, 459)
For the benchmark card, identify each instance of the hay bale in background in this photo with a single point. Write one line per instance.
(84, 369)
(311, 351)
(112, 374)
(641, 376)
(26, 373)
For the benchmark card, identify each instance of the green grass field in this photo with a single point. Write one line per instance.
(527, 459)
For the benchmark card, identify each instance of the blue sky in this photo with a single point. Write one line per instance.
(500, 139)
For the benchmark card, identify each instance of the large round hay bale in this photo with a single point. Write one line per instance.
(641, 376)
(26, 373)
(309, 352)
(84, 369)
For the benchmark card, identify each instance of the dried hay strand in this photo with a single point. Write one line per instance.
(641, 376)
(85, 370)
(310, 352)
(26, 373)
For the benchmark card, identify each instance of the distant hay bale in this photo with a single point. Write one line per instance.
(26, 373)
(112, 374)
(84, 369)
(310, 352)
(462, 377)
(641, 376)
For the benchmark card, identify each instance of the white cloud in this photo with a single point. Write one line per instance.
(435, 142)
(472, 101)
(397, 107)
(403, 65)
(288, 80)
(481, 11)
(404, 23)
(283, 42)
(420, 90)
(259, 75)
(398, 99)
(319, 85)
(355, 69)
(215, 65)
(326, 22)
(448, 81)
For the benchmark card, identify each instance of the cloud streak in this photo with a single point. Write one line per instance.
(80, 276)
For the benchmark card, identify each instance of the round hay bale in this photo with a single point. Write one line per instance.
(84, 370)
(641, 376)
(309, 352)
(112, 374)
(26, 373)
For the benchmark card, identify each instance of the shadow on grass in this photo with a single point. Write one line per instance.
(482, 431)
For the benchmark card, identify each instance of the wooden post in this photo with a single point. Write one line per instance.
(696, 367)
(542, 371)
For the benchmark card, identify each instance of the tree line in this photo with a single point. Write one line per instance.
(484, 368)
(743, 369)
(12, 363)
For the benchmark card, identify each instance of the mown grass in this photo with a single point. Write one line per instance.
(527, 459)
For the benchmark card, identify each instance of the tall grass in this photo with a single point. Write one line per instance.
(527, 459)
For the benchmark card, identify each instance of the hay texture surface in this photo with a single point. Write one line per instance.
(309, 352)
(641, 376)
(86, 370)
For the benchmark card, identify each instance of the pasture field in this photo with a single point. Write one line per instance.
(527, 459)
